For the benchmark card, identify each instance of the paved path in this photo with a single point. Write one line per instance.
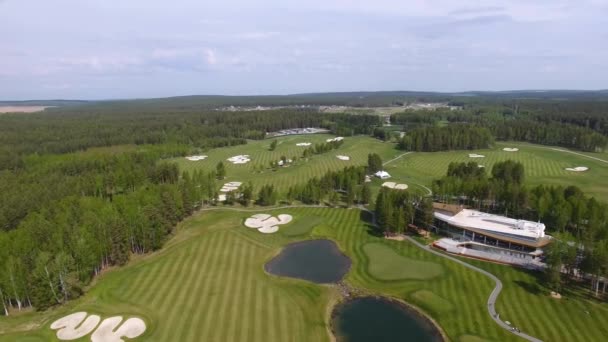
(493, 295)
(578, 154)
(397, 157)
(497, 282)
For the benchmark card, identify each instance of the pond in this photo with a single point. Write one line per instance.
(319, 261)
(375, 319)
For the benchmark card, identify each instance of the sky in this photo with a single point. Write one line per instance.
(103, 49)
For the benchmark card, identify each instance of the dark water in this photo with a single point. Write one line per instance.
(371, 319)
(319, 261)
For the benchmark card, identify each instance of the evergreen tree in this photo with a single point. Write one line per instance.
(220, 170)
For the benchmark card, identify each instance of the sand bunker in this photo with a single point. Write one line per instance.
(577, 169)
(556, 295)
(66, 326)
(107, 331)
(479, 165)
(196, 158)
(78, 325)
(510, 149)
(267, 224)
(240, 159)
(335, 139)
(231, 186)
(474, 155)
(304, 144)
(393, 185)
(343, 157)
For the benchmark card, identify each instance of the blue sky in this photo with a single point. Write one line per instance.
(97, 49)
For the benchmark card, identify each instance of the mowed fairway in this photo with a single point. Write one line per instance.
(357, 148)
(208, 284)
(542, 165)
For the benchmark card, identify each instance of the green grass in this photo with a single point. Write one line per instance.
(357, 148)
(386, 264)
(542, 164)
(301, 227)
(208, 284)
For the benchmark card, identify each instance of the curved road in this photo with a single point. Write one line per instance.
(493, 295)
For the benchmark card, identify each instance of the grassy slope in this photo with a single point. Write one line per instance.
(208, 284)
(542, 165)
(357, 148)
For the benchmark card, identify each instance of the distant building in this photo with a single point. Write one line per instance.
(382, 175)
(488, 236)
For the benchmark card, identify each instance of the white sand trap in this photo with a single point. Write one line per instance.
(481, 165)
(393, 185)
(285, 219)
(474, 155)
(304, 144)
(231, 186)
(510, 149)
(390, 185)
(267, 224)
(240, 159)
(108, 332)
(343, 157)
(196, 158)
(269, 229)
(335, 139)
(70, 327)
(577, 169)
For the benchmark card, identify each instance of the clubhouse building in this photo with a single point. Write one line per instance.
(487, 236)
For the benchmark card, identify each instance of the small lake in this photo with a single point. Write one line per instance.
(374, 319)
(319, 261)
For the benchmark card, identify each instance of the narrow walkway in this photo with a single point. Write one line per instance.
(578, 154)
(397, 157)
(493, 295)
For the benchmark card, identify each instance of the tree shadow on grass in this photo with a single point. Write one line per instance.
(370, 228)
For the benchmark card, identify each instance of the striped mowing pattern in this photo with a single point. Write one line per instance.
(208, 284)
(542, 166)
(357, 148)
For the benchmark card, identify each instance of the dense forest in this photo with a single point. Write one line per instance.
(452, 137)
(73, 130)
(582, 128)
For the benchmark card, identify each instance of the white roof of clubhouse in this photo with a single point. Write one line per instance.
(467, 218)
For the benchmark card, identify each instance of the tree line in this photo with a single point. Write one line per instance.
(578, 222)
(451, 137)
(56, 250)
(539, 125)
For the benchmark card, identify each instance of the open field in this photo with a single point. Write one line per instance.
(22, 109)
(208, 284)
(357, 148)
(543, 164)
